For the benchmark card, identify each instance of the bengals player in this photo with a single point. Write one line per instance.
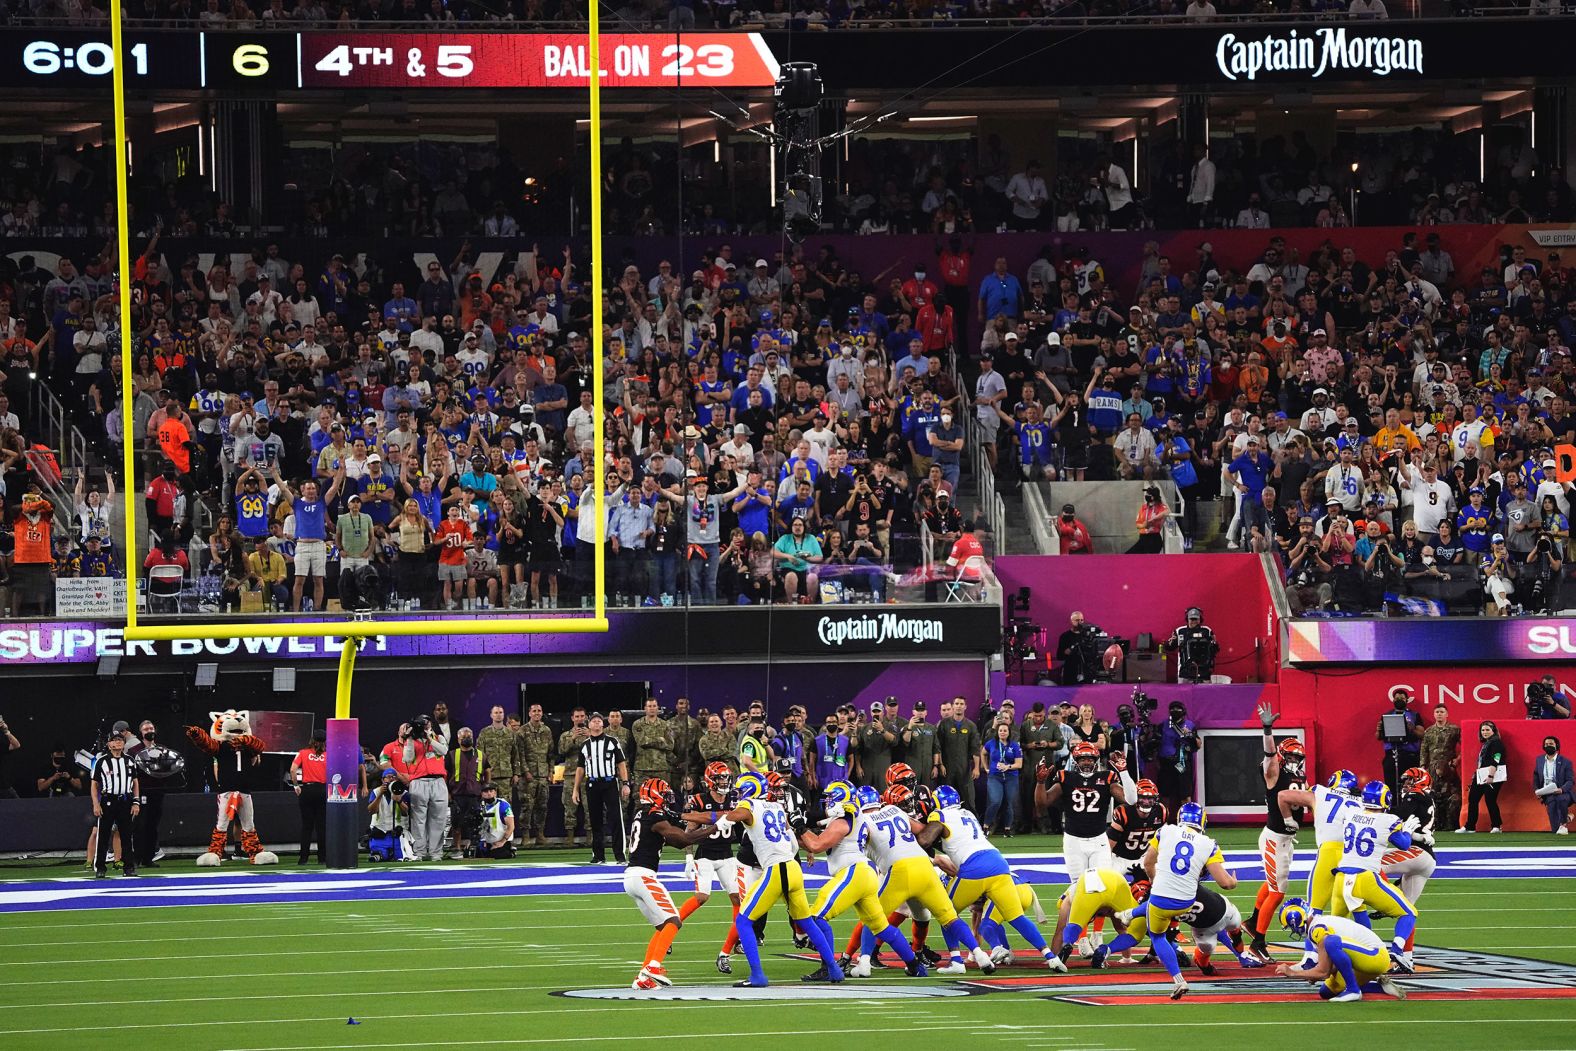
(1085, 794)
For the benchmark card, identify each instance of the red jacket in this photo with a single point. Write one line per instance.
(936, 328)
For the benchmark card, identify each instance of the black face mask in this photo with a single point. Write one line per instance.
(149, 736)
(1550, 749)
(1400, 705)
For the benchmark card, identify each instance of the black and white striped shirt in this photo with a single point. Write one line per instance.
(115, 776)
(600, 756)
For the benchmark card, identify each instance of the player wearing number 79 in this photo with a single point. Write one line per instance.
(1177, 858)
(772, 835)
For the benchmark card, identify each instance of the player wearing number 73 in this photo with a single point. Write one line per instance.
(773, 836)
(1177, 858)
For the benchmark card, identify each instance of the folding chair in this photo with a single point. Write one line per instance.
(959, 587)
(165, 585)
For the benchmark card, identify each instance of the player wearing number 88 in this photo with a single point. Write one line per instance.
(1177, 857)
(774, 836)
(1366, 835)
(977, 868)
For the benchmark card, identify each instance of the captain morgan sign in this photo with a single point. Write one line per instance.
(1330, 50)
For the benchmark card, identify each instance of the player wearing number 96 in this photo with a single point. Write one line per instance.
(1365, 837)
(773, 836)
(1177, 858)
(976, 867)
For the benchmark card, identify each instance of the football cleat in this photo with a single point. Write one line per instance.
(657, 973)
(801, 940)
(1064, 955)
(750, 983)
(645, 984)
(1344, 998)
(983, 961)
(820, 974)
(955, 967)
(930, 957)
(915, 969)
(1260, 946)
(1097, 961)
(1401, 963)
(860, 969)
(1178, 987)
(1056, 964)
(1388, 987)
(1083, 948)
(724, 965)
(1206, 968)
(1000, 955)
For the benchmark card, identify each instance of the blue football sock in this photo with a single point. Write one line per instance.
(751, 947)
(820, 932)
(1071, 933)
(1343, 964)
(894, 937)
(1121, 943)
(993, 934)
(960, 933)
(1166, 952)
(867, 943)
(1361, 917)
(1031, 934)
(1403, 931)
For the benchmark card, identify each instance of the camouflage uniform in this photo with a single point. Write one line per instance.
(1439, 756)
(569, 752)
(653, 749)
(919, 750)
(875, 755)
(499, 744)
(719, 747)
(686, 734)
(535, 748)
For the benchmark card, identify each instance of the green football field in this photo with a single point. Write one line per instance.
(487, 972)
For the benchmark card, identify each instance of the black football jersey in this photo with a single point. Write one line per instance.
(714, 846)
(1420, 806)
(1131, 831)
(645, 845)
(1086, 802)
(1272, 815)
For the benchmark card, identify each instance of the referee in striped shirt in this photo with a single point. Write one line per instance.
(115, 793)
(603, 775)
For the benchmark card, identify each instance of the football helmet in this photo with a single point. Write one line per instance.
(750, 785)
(1191, 815)
(1343, 781)
(655, 794)
(902, 774)
(1086, 757)
(1292, 756)
(836, 794)
(717, 778)
(867, 797)
(1293, 916)
(947, 796)
(1148, 796)
(1140, 890)
(900, 796)
(1416, 781)
(774, 784)
(1376, 796)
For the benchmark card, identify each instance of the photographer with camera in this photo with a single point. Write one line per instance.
(1499, 577)
(62, 777)
(1381, 566)
(1539, 575)
(495, 833)
(468, 771)
(1403, 742)
(1133, 725)
(1307, 573)
(1195, 647)
(1545, 701)
(389, 806)
(1178, 745)
(417, 755)
(1077, 652)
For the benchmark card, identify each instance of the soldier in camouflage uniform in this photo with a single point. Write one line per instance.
(876, 741)
(1440, 756)
(569, 743)
(497, 742)
(619, 732)
(535, 763)
(919, 745)
(686, 733)
(653, 744)
(717, 745)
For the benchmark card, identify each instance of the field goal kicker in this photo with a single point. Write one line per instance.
(358, 626)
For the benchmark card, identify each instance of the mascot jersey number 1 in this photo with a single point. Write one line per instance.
(235, 752)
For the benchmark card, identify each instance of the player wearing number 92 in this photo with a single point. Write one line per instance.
(1085, 793)
(773, 835)
(1175, 861)
(976, 867)
(853, 882)
(1365, 838)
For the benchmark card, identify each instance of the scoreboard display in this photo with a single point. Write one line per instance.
(273, 61)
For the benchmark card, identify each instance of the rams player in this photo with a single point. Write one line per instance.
(908, 876)
(1284, 771)
(1360, 888)
(767, 826)
(1330, 804)
(853, 883)
(656, 825)
(1339, 953)
(1176, 860)
(992, 935)
(976, 867)
(1098, 892)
